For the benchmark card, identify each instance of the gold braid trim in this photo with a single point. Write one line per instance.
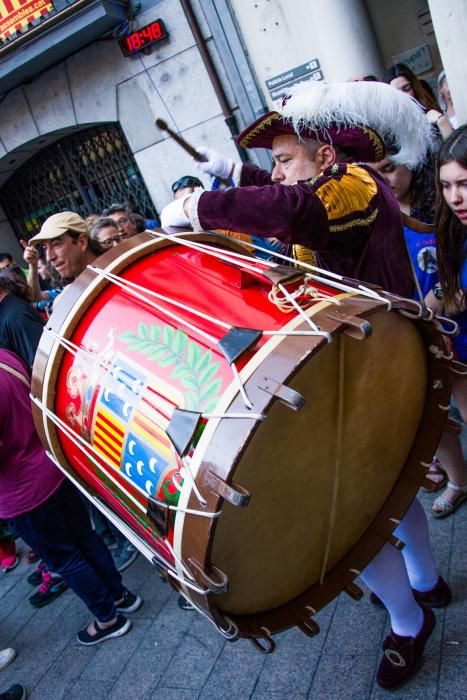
(303, 254)
(245, 142)
(377, 142)
(356, 222)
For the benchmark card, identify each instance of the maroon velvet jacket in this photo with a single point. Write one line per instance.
(347, 215)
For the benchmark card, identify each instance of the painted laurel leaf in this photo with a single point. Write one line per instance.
(180, 341)
(210, 405)
(206, 374)
(154, 332)
(210, 390)
(143, 331)
(203, 361)
(193, 354)
(156, 352)
(192, 400)
(168, 335)
(194, 369)
(181, 372)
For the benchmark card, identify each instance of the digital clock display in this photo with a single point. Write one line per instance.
(139, 39)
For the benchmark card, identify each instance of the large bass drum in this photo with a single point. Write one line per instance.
(256, 431)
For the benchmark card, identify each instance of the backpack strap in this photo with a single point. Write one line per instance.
(16, 374)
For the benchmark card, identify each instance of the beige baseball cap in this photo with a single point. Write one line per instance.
(58, 224)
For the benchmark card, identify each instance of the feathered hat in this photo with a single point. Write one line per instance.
(360, 118)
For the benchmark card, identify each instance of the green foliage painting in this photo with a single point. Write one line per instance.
(193, 366)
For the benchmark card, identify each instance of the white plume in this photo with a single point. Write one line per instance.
(397, 118)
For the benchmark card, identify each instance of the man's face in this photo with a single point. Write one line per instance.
(398, 177)
(126, 226)
(67, 255)
(5, 263)
(292, 161)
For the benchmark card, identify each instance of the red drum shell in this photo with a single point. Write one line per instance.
(328, 482)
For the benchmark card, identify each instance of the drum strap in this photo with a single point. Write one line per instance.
(16, 374)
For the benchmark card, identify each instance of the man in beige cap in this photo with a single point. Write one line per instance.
(69, 249)
(67, 243)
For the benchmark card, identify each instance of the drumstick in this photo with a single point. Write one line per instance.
(181, 141)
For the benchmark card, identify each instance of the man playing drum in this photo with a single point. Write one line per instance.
(346, 214)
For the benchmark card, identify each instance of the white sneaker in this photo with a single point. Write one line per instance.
(6, 657)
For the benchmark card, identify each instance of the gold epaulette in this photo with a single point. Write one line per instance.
(303, 254)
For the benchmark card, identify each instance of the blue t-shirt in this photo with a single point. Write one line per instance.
(422, 251)
(460, 341)
(463, 275)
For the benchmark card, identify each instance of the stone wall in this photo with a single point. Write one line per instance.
(99, 85)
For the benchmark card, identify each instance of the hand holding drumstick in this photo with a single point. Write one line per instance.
(206, 159)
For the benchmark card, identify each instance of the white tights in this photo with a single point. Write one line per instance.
(392, 574)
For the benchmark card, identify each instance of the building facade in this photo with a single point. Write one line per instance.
(77, 114)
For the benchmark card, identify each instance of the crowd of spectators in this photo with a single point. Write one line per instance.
(73, 541)
(37, 503)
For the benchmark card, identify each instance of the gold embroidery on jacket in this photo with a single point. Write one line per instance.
(304, 254)
(356, 222)
(352, 192)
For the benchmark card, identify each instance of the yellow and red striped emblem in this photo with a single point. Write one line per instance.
(109, 436)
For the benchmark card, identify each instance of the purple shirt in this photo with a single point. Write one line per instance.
(347, 215)
(27, 476)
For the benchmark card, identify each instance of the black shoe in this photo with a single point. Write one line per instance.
(16, 692)
(121, 627)
(36, 577)
(130, 603)
(403, 655)
(50, 588)
(438, 597)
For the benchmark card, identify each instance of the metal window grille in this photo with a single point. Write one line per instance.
(84, 172)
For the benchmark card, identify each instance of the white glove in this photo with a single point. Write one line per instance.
(173, 214)
(216, 164)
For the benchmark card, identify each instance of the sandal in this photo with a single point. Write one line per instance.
(31, 557)
(435, 476)
(445, 507)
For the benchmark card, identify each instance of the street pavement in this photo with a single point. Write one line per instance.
(171, 654)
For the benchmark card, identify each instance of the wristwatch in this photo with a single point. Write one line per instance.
(437, 291)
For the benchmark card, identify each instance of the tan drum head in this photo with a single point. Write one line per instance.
(268, 553)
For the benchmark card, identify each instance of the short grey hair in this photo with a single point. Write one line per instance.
(99, 225)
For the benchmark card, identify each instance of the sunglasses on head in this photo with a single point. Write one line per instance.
(186, 181)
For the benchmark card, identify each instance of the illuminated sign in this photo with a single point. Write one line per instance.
(139, 39)
(17, 14)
